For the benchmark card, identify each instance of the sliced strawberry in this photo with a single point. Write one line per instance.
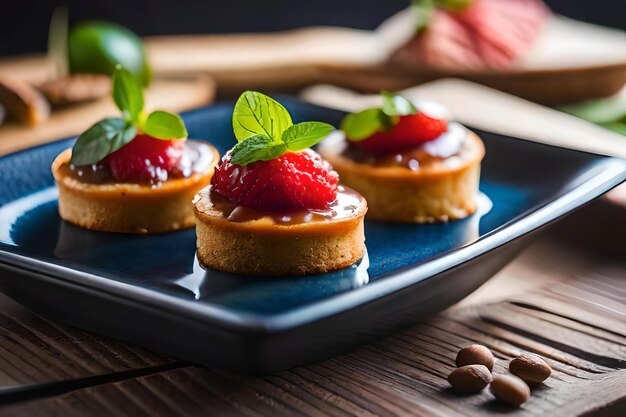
(409, 132)
(144, 159)
(292, 181)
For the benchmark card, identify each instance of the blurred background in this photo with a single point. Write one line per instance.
(24, 24)
(57, 86)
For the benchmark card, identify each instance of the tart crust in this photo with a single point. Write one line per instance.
(127, 207)
(439, 192)
(262, 247)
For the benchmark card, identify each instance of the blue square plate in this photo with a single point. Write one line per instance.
(151, 291)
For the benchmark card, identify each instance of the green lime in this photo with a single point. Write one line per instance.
(97, 47)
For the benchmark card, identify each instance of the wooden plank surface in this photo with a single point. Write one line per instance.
(571, 61)
(577, 324)
(173, 94)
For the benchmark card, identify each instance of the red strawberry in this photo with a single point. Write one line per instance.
(409, 132)
(144, 159)
(292, 181)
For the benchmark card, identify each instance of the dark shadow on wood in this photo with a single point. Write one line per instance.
(37, 391)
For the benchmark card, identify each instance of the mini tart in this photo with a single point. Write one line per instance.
(246, 241)
(129, 207)
(435, 190)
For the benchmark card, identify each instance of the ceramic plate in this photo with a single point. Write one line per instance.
(151, 291)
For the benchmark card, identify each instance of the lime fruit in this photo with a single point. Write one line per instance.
(97, 47)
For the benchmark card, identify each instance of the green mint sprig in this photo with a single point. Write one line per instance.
(361, 125)
(264, 130)
(110, 134)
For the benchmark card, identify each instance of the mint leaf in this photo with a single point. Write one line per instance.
(108, 135)
(397, 105)
(100, 140)
(258, 114)
(127, 94)
(306, 134)
(256, 148)
(163, 125)
(362, 125)
(264, 130)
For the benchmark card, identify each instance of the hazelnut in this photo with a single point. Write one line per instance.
(475, 355)
(531, 368)
(470, 378)
(509, 389)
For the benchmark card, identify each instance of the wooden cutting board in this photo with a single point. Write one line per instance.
(571, 61)
(172, 94)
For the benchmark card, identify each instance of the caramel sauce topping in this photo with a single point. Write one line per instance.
(449, 149)
(197, 157)
(347, 204)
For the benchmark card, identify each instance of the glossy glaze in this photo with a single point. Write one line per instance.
(346, 205)
(449, 149)
(197, 157)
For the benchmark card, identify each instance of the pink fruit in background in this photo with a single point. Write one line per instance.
(491, 34)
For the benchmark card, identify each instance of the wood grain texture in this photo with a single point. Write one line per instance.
(577, 325)
(36, 351)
